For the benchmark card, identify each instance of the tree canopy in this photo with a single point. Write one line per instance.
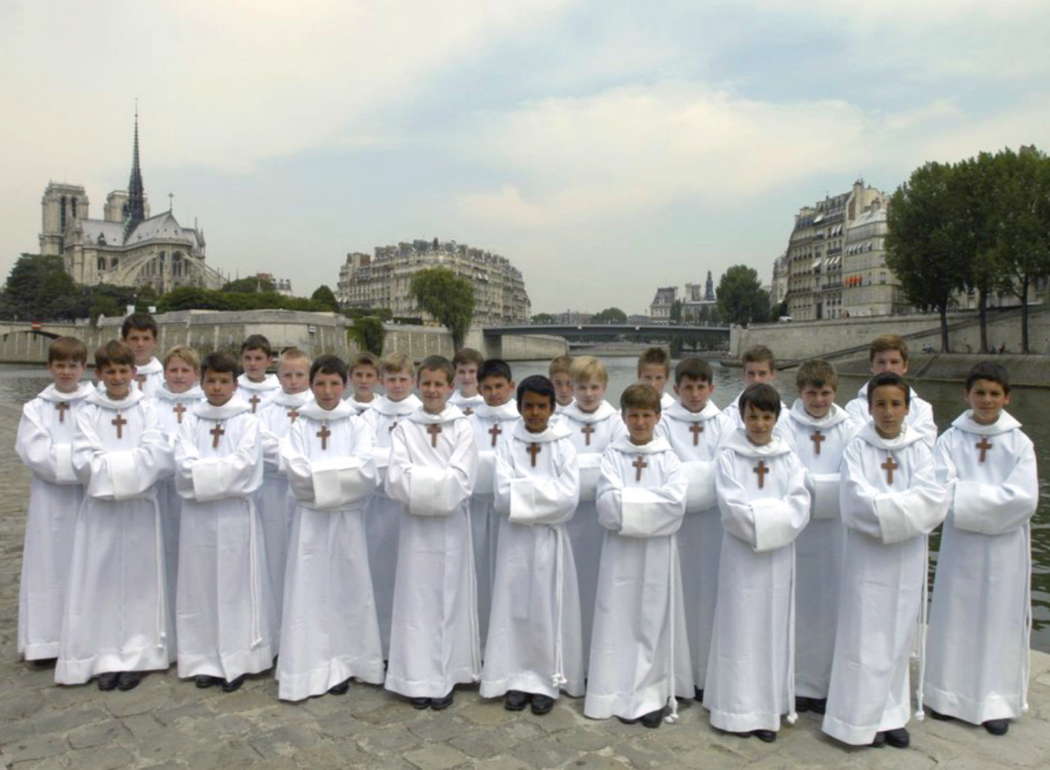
(611, 315)
(325, 296)
(741, 298)
(446, 297)
(250, 285)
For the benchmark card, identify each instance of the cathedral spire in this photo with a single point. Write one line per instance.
(136, 205)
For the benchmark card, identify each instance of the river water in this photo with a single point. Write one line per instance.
(20, 383)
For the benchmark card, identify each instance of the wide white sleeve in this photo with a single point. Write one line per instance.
(922, 421)
(609, 492)
(271, 447)
(205, 479)
(765, 523)
(331, 483)
(994, 509)
(858, 408)
(700, 492)
(296, 463)
(824, 492)
(47, 459)
(429, 490)
(120, 474)
(546, 500)
(655, 511)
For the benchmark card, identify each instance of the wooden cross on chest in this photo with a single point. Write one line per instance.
(324, 435)
(392, 426)
(638, 464)
(761, 470)
(817, 438)
(62, 407)
(254, 401)
(178, 409)
(984, 445)
(533, 450)
(292, 415)
(216, 433)
(119, 422)
(468, 411)
(587, 430)
(434, 429)
(889, 466)
(495, 431)
(696, 429)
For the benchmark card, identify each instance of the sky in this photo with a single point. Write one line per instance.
(605, 148)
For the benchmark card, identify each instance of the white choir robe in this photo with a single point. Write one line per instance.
(492, 427)
(329, 632)
(45, 444)
(764, 503)
(150, 377)
(591, 433)
(919, 417)
(977, 649)
(534, 643)
(383, 515)
(224, 602)
(360, 407)
(883, 580)
(639, 657)
(434, 628)
(819, 444)
(466, 404)
(116, 611)
(273, 499)
(560, 408)
(700, 538)
(732, 411)
(257, 394)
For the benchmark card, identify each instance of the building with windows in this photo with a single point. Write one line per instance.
(691, 301)
(869, 287)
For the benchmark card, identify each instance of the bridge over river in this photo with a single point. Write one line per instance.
(695, 337)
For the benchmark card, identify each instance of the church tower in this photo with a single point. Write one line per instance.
(709, 289)
(135, 208)
(61, 206)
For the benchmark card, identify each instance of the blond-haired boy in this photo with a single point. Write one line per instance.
(560, 374)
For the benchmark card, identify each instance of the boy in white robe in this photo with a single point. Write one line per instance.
(115, 623)
(560, 374)
(492, 423)
(593, 425)
(139, 332)
(980, 619)
(329, 631)
(383, 517)
(534, 648)
(889, 353)
(890, 501)
(254, 386)
(654, 369)
(639, 659)
(224, 604)
(759, 366)
(434, 629)
(467, 361)
(275, 506)
(818, 430)
(45, 445)
(761, 487)
(695, 427)
(364, 377)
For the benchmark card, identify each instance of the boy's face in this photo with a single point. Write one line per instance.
(641, 423)
(117, 379)
(759, 424)
(889, 361)
(66, 374)
(328, 390)
(654, 375)
(496, 390)
(987, 399)
(179, 376)
(364, 379)
(758, 371)
(467, 378)
(142, 344)
(888, 410)
(434, 389)
(219, 387)
(535, 411)
(694, 393)
(563, 388)
(294, 375)
(398, 385)
(817, 399)
(255, 363)
(588, 394)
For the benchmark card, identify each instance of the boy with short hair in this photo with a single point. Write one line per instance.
(639, 659)
(890, 501)
(982, 590)
(434, 631)
(889, 353)
(560, 374)
(492, 427)
(139, 332)
(329, 632)
(818, 430)
(759, 366)
(224, 604)
(45, 445)
(467, 361)
(762, 495)
(364, 377)
(534, 648)
(115, 623)
(654, 369)
(255, 386)
(383, 516)
(695, 427)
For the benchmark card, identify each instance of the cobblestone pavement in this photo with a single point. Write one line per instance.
(166, 723)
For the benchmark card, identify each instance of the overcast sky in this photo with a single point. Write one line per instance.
(606, 148)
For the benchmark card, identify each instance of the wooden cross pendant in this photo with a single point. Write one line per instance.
(889, 466)
(323, 434)
(533, 450)
(495, 431)
(433, 429)
(468, 411)
(817, 438)
(638, 464)
(587, 430)
(119, 422)
(392, 426)
(216, 432)
(178, 409)
(984, 445)
(254, 401)
(62, 407)
(696, 429)
(761, 470)
(292, 415)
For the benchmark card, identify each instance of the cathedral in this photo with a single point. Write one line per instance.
(127, 247)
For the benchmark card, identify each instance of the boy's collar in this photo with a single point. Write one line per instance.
(657, 444)
(448, 414)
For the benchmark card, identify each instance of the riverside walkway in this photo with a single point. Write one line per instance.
(167, 723)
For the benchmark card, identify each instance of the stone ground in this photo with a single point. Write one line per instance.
(166, 723)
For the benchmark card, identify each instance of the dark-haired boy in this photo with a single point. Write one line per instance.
(115, 624)
(759, 366)
(224, 605)
(45, 445)
(255, 386)
(139, 332)
(467, 362)
(329, 632)
(980, 619)
(654, 369)
(764, 502)
(433, 462)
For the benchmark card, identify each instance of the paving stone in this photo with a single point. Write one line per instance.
(501, 763)
(599, 762)
(436, 757)
(438, 728)
(488, 714)
(142, 726)
(51, 722)
(98, 734)
(33, 747)
(583, 739)
(224, 756)
(101, 758)
(387, 739)
(395, 713)
(58, 762)
(544, 753)
(483, 742)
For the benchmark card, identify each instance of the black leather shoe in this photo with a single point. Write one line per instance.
(108, 680)
(340, 689)
(234, 685)
(937, 715)
(997, 726)
(420, 703)
(627, 721)
(899, 738)
(766, 736)
(880, 740)
(818, 705)
(128, 680)
(801, 704)
(439, 704)
(653, 719)
(515, 700)
(698, 694)
(203, 680)
(542, 704)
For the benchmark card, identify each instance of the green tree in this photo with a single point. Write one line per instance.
(368, 333)
(741, 298)
(324, 296)
(543, 318)
(446, 297)
(611, 315)
(38, 287)
(676, 311)
(253, 284)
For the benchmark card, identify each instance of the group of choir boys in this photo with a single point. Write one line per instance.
(765, 560)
